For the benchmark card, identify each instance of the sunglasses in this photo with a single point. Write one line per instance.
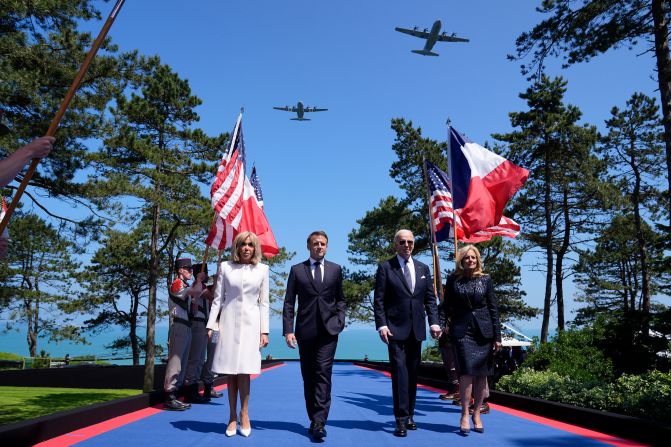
(404, 242)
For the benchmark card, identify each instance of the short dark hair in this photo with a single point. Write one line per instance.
(318, 233)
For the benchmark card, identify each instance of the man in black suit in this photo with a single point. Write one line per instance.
(317, 284)
(403, 298)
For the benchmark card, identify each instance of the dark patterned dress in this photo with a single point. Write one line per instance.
(474, 323)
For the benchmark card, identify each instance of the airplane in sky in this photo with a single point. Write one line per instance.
(300, 109)
(431, 37)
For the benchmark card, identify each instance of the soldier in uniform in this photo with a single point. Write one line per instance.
(199, 341)
(179, 303)
(207, 376)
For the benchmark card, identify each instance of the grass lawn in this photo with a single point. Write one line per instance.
(20, 403)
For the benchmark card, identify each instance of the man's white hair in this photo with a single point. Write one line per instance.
(398, 234)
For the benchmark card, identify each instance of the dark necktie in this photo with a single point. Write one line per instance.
(318, 273)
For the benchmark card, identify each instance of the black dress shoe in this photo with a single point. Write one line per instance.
(193, 396)
(312, 428)
(401, 429)
(484, 408)
(318, 430)
(171, 403)
(410, 425)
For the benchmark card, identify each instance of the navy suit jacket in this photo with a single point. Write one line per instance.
(478, 311)
(325, 302)
(402, 311)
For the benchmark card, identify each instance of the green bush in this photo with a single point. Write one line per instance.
(10, 356)
(647, 395)
(572, 353)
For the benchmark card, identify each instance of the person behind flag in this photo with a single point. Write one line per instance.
(242, 305)
(475, 329)
(179, 336)
(11, 166)
(198, 346)
(207, 376)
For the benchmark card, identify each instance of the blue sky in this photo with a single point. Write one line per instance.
(347, 57)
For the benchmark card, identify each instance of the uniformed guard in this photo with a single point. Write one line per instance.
(198, 345)
(207, 376)
(179, 304)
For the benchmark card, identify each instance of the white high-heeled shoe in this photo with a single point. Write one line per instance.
(245, 431)
(230, 433)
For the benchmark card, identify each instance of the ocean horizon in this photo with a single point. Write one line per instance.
(354, 343)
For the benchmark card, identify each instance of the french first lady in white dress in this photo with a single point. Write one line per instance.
(241, 296)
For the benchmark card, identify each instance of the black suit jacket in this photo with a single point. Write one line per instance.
(478, 310)
(326, 303)
(399, 309)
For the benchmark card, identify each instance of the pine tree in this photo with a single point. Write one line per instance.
(579, 31)
(635, 154)
(154, 159)
(560, 203)
(36, 281)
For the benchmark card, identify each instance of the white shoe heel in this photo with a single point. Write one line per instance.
(230, 433)
(246, 431)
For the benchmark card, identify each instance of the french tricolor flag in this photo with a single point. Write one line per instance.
(482, 183)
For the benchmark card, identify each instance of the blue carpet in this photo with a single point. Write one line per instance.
(361, 415)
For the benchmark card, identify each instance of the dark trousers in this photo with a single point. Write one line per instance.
(316, 366)
(404, 359)
(449, 357)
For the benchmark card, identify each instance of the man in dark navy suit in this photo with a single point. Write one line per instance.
(403, 298)
(317, 284)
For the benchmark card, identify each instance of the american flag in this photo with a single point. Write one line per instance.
(228, 188)
(238, 203)
(441, 204)
(442, 212)
(221, 234)
(5, 233)
(254, 180)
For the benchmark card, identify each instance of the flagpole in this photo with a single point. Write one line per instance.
(451, 177)
(61, 111)
(437, 280)
(236, 129)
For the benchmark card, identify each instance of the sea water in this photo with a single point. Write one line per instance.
(353, 344)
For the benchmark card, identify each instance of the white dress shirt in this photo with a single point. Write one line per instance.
(410, 265)
(312, 267)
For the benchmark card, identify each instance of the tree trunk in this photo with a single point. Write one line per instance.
(642, 251)
(33, 318)
(151, 304)
(31, 338)
(561, 253)
(661, 29)
(548, 252)
(133, 330)
(625, 289)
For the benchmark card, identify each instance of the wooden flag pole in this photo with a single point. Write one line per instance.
(437, 279)
(207, 247)
(61, 111)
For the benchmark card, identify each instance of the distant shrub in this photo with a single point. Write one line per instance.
(10, 356)
(572, 353)
(647, 395)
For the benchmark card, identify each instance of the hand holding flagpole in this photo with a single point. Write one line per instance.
(64, 106)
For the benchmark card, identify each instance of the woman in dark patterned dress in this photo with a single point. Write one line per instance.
(475, 330)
